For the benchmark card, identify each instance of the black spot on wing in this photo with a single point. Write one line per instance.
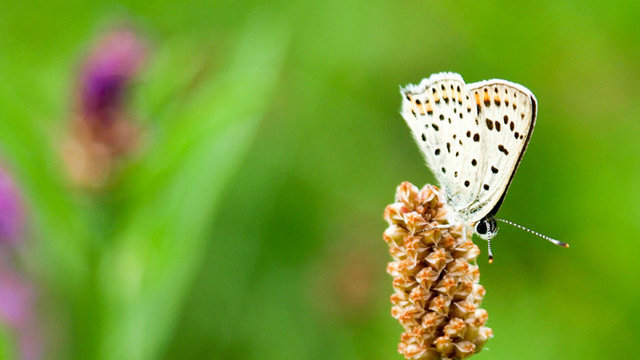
(503, 149)
(489, 124)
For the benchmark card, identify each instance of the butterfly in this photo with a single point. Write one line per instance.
(473, 137)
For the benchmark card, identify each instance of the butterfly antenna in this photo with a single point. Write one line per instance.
(490, 252)
(553, 241)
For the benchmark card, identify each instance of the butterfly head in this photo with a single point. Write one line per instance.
(486, 228)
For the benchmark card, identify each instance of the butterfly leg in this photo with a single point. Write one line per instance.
(447, 226)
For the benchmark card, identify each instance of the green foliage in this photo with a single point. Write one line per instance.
(6, 345)
(272, 145)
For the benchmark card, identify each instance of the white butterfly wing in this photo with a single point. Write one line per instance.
(507, 114)
(443, 118)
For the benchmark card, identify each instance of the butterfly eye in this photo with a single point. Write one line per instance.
(481, 227)
(486, 228)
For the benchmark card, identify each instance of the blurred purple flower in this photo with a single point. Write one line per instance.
(111, 65)
(11, 211)
(17, 298)
(102, 129)
(30, 344)
(17, 301)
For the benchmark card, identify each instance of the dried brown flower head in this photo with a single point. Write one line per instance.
(435, 278)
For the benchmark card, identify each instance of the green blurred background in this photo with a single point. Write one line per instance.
(249, 225)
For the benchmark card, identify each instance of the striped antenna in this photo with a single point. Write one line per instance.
(553, 241)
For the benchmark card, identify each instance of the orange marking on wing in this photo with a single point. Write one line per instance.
(478, 107)
(487, 100)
